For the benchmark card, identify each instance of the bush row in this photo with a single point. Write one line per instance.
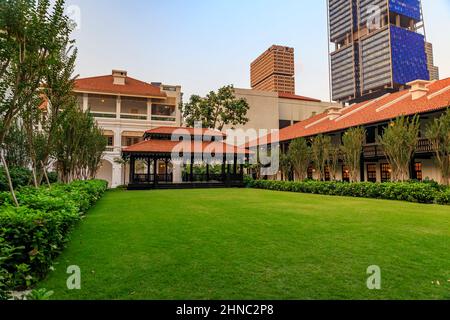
(405, 191)
(32, 235)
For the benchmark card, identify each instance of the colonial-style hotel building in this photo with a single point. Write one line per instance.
(428, 99)
(125, 108)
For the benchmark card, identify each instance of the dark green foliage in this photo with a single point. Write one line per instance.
(217, 110)
(405, 191)
(32, 235)
(443, 197)
(19, 176)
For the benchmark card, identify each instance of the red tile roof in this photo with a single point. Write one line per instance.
(373, 111)
(296, 97)
(181, 130)
(167, 146)
(105, 84)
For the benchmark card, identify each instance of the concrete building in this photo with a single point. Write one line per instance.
(378, 47)
(433, 70)
(274, 70)
(125, 108)
(272, 110)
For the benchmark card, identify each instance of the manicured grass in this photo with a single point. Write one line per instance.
(255, 244)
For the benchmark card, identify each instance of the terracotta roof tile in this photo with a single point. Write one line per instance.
(105, 84)
(374, 111)
(296, 97)
(167, 146)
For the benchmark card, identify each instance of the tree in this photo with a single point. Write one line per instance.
(352, 147)
(300, 156)
(30, 31)
(58, 91)
(333, 161)
(79, 145)
(216, 110)
(320, 150)
(15, 146)
(399, 142)
(285, 166)
(438, 132)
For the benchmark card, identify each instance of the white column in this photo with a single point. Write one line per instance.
(117, 140)
(85, 101)
(177, 172)
(118, 108)
(116, 176)
(149, 109)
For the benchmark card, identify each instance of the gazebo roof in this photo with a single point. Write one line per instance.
(187, 147)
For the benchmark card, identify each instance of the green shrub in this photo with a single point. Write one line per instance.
(443, 197)
(405, 191)
(19, 176)
(32, 235)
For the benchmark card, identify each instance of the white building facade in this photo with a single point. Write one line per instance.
(125, 108)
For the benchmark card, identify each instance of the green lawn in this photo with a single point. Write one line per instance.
(255, 244)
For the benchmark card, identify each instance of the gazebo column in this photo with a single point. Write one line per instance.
(132, 168)
(155, 165)
(224, 160)
(149, 163)
(166, 162)
(192, 168)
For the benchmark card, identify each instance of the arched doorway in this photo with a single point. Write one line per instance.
(105, 172)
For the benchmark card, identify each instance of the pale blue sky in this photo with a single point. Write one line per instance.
(205, 44)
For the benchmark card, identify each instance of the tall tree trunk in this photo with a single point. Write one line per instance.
(8, 176)
(44, 169)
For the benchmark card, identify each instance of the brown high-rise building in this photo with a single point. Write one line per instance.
(274, 71)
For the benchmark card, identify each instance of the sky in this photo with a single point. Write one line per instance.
(203, 45)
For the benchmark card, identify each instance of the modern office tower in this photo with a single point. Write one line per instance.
(434, 71)
(274, 70)
(378, 47)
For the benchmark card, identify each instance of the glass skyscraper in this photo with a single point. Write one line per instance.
(378, 47)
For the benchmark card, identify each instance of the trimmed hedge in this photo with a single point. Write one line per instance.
(406, 191)
(32, 235)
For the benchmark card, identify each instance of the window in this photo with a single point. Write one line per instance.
(327, 174)
(310, 173)
(381, 129)
(284, 124)
(163, 110)
(110, 141)
(371, 173)
(345, 174)
(133, 105)
(167, 88)
(418, 173)
(101, 103)
(371, 135)
(386, 172)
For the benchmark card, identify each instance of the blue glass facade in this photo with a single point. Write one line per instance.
(408, 8)
(409, 60)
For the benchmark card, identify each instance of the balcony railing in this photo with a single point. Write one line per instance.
(212, 177)
(164, 118)
(150, 178)
(130, 116)
(377, 151)
(108, 115)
